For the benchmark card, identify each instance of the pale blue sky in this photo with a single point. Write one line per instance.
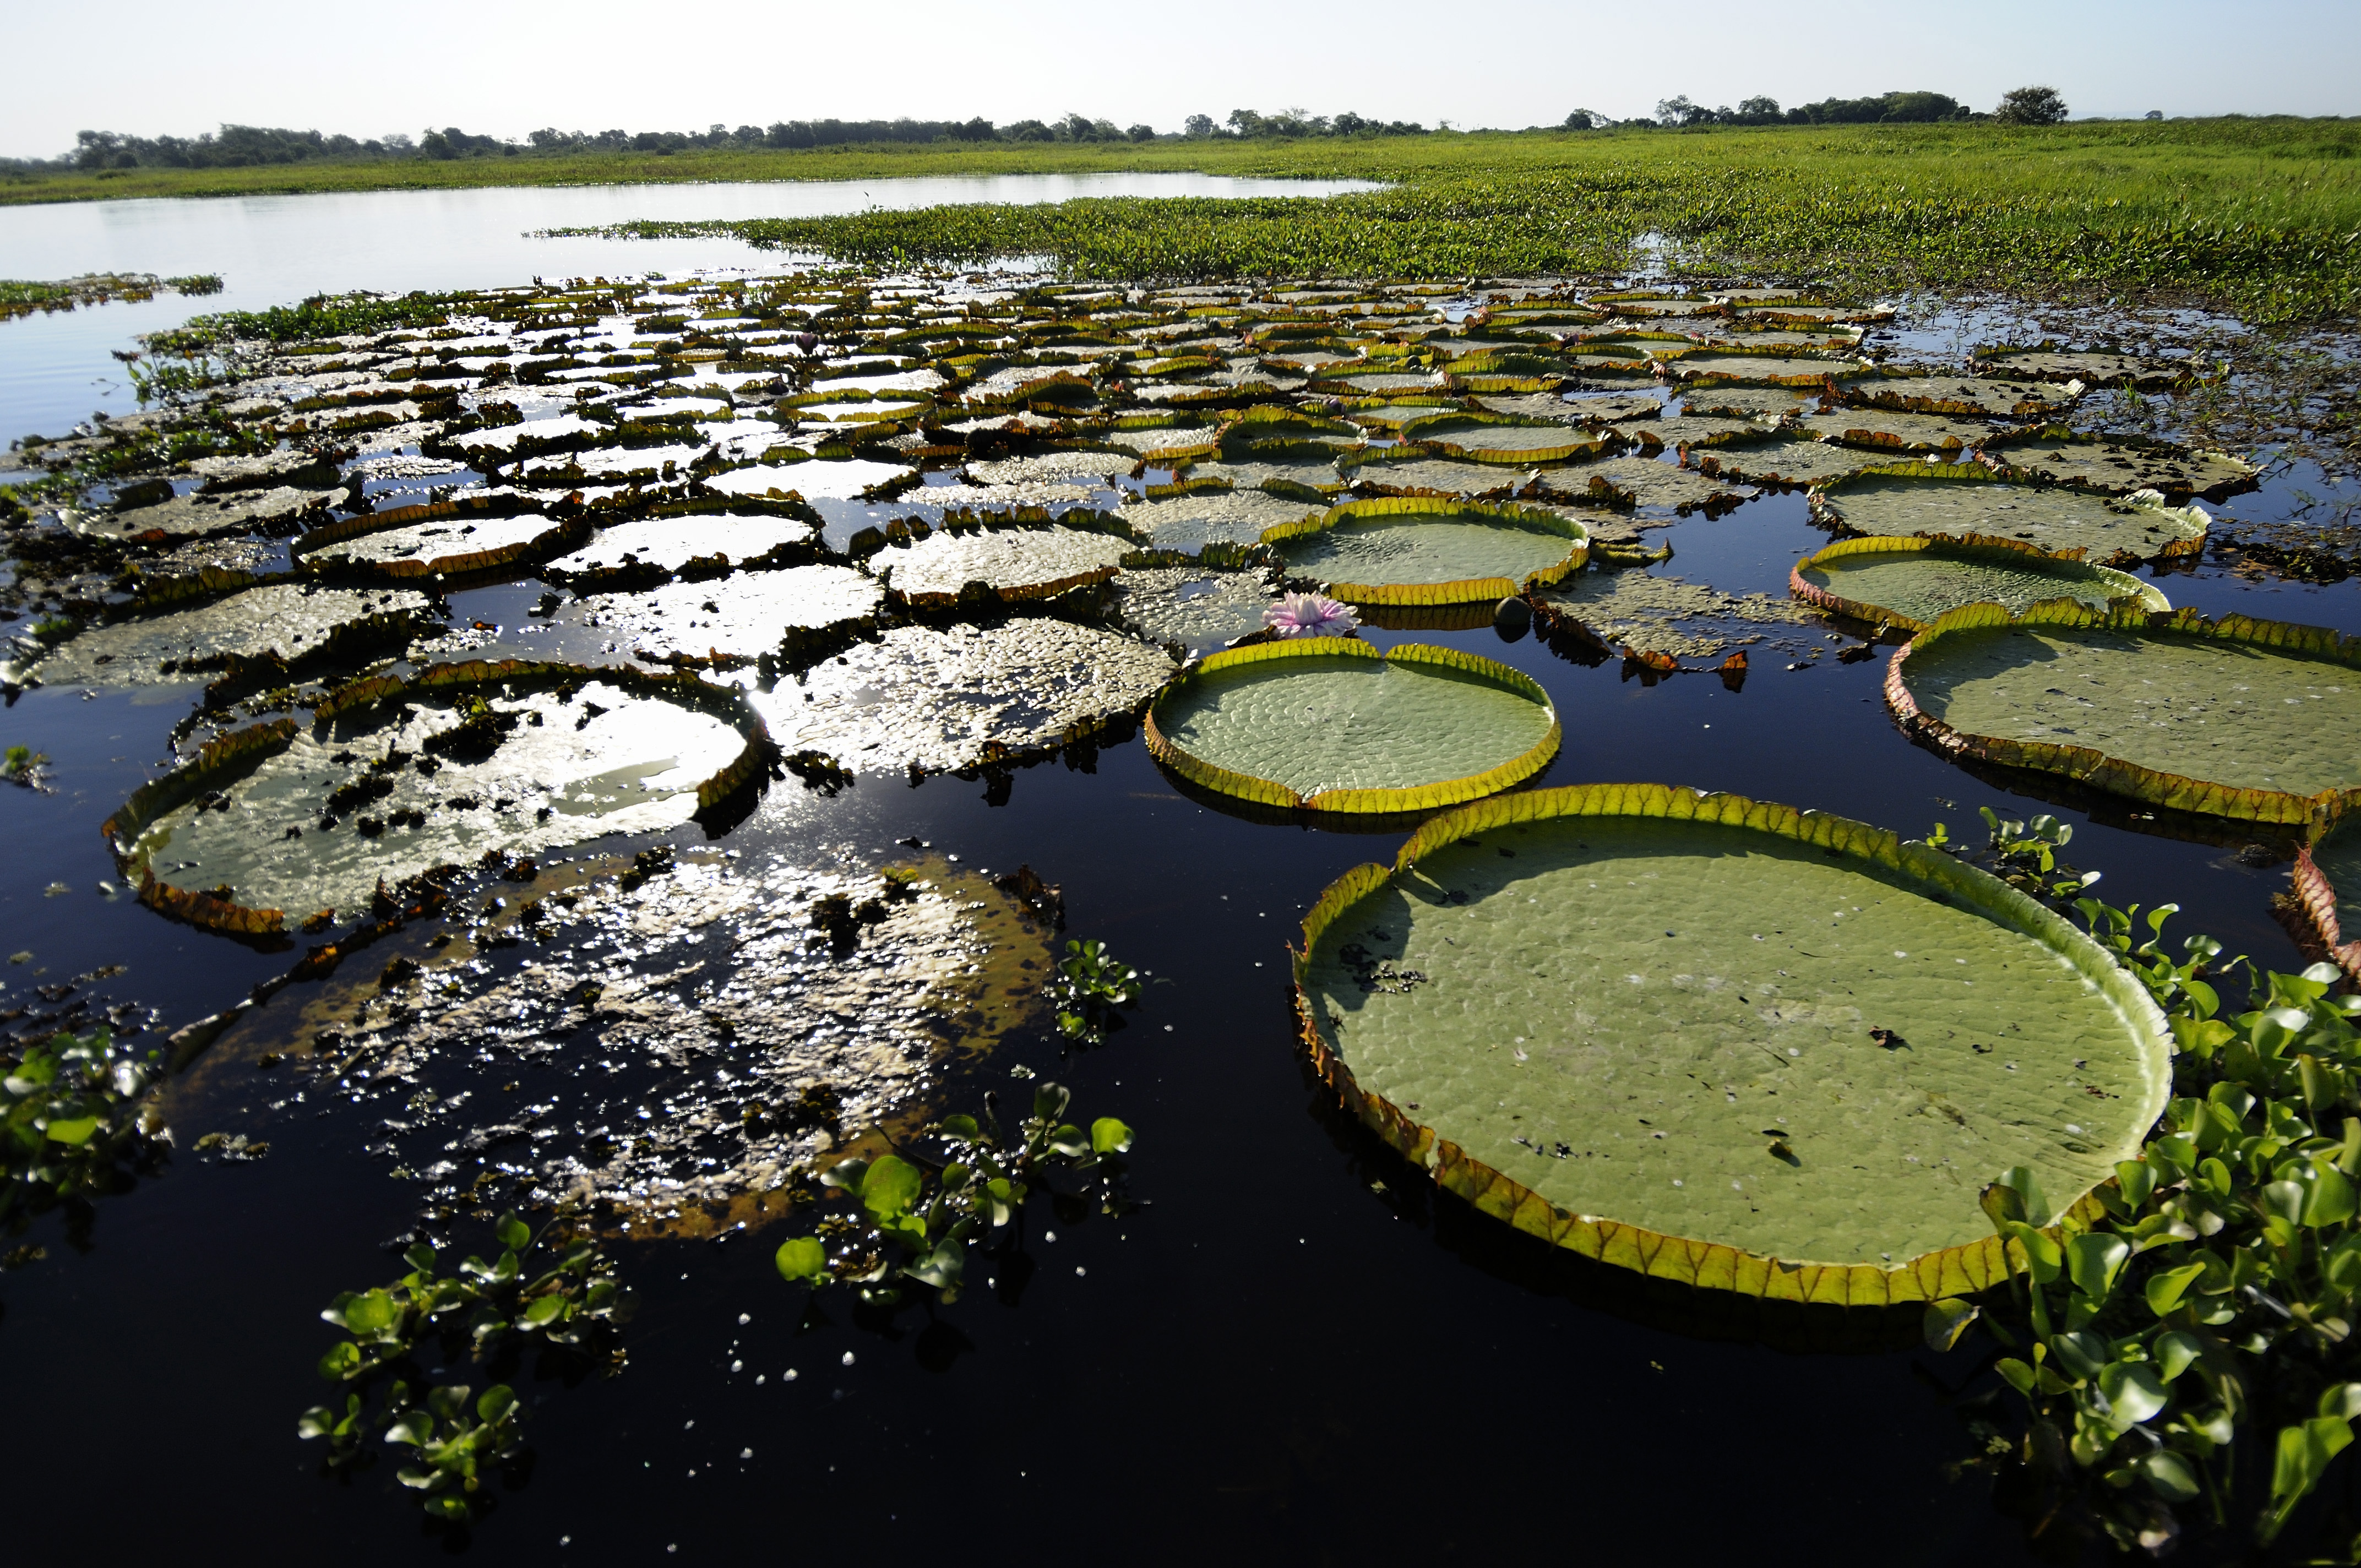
(181, 66)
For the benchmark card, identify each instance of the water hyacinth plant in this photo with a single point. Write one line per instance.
(1311, 615)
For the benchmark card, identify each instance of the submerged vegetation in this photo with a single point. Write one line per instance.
(19, 297)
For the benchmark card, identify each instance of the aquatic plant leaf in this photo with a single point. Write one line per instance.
(741, 617)
(1190, 522)
(1015, 563)
(669, 543)
(1987, 397)
(964, 696)
(1910, 582)
(199, 514)
(1786, 461)
(2327, 883)
(1499, 438)
(1200, 609)
(1412, 551)
(1723, 1042)
(2252, 720)
(2121, 464)
(1894, 430)
(2094, 367)
(1658, 613)
(1641, 484)
(318, 821)
(1955, 500)
(1332, 724)
(801, 1260)
(282, 621)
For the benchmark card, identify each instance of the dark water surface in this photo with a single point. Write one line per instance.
(1274, 1360)
(1297, 1352)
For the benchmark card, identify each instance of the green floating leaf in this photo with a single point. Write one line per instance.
(1619, 1017)
(801, 1260)
(1110, 1136)
(1909, 582)
(1331, 723)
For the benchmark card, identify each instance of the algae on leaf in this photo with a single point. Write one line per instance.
(1725, 1043)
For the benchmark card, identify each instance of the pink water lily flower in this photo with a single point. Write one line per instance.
(1310, 615)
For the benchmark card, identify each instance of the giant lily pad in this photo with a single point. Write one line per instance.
(2254, 719)
(743, 617)
(1740, 368)
(1989, 396)
(668, 544)
(1723, 1043)
(1909, 582)
(2092, 366)
(516, 759)
(2121, 464)
(964, 697)
(1190, 522)
(1644, 484)
(198, 514)
(282, 621)
(1333, 723)
(1499, 438)
(1198, 610)
(1964, 501)
(429, 541)
(1409, 552)
(1018, 563)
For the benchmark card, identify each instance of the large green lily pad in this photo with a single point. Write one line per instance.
(1333, 723)
(1497, 438)
(1644, 484)
(1910, 582)
(1895, 430)
(2237, 718)
(1988, 397)
(196, 515)
(1763, 369)
(1725, 1043)
(1409, 552)
(1962, 501)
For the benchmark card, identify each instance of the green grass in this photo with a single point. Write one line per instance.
(2263, 216)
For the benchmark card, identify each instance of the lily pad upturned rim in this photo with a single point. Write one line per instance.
(2113, 775)
(1584, 443)
(1952, 1271)
(562, 537)
(234, 754)
(1461, 590)
(1828, 510)
(1269, 792)
(1975, 547)
(2315, 895)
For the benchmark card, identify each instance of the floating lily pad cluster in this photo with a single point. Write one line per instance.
(847, 525)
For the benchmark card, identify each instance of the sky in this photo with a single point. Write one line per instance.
(180, 67)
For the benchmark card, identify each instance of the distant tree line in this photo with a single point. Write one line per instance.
(2023, 106)
(242, 147)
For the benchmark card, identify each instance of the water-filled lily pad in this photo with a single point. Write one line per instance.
(1199, 610)
(1333, 723)
(2255, 719)
(671, 542)
(435, 771)
(1962, 501)
(196, 515)
(2122, 464)
(1017, 563)
(1991, 397)
(2092, 366)
(1497, 438)
(1190, 522)
(1725, 1043)
(1411, 552)
(1644, 484)
(743, 617)
(1910, 582)
(965, 695)
(286, 621)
